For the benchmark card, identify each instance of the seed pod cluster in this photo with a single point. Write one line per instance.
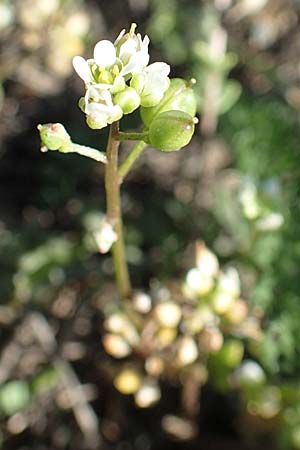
(171, 123)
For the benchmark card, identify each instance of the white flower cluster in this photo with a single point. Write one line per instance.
(118, 79)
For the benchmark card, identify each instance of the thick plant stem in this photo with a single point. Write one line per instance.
(114, 214)
(130, 160)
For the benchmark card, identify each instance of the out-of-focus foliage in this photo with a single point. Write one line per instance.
(238, 191)
(193, 331)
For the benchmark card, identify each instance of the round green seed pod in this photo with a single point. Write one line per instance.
(179, 96)
(171, 130)
(128, 100)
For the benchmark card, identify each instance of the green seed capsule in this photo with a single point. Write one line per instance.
(179, 96)
(171, 130)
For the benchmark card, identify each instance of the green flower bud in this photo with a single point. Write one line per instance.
(128, 100)
(119, 85)
(81, 104)
(171, 130)
(54, 136)
(179, 96)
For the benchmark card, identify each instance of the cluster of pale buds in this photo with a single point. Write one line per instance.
(180, 329)
(118, 79)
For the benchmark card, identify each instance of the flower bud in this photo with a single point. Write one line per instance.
(105, 236)
(54, 136)
(171, 130)
(179, 97)
(94, 123)
(128, 100)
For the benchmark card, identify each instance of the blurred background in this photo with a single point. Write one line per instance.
(64, 355)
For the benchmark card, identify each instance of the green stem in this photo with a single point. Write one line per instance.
(114, 214)
(130, 160)
(89, 152)
(132, 136)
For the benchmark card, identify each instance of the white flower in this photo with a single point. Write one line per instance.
(152, 83)
(107, 76)
(132, 51)
(105, 236)
(99, 107)
(120, 58)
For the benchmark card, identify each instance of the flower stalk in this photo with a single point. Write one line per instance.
(114, 214)
(118, 80)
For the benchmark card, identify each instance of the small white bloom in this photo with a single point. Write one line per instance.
(105, 237)
(109, 73)
(156, 82)
(99, 107)
(133, 52)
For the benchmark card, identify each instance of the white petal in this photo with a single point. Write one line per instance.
(104, 54)
(128, 48)
(145, 44)
(116, 113)
(159, 68)
(82, 69)
(103, 86)
(119, 37)
(106, 96)
(97, 108)
(136, 64)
